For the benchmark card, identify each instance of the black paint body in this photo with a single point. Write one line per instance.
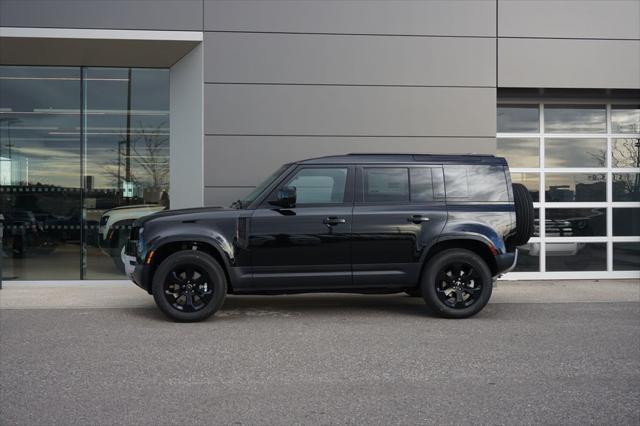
(353, 246)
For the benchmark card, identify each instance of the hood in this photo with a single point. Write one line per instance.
(185, 214)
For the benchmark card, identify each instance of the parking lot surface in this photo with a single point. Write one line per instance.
(324, 359)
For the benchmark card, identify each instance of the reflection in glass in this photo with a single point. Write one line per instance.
(626, 256)
(518, 118)
(40, 172)
(566, 187)
(575, 119)
(625, 119)
(519, 152)
(571, 256)
(386, 185)
(582, 152)
(626, 186)
(625, 152)
(528, 258)
(626, 222)
(531, 181)
(475, 183)
(127, 158)
(576, 222)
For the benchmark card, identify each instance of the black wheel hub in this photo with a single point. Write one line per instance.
(188, 288)
(458, 285)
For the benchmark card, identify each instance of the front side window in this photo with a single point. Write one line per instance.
(319, 185)
(383, 185)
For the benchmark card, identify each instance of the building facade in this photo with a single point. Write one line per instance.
(140, 104)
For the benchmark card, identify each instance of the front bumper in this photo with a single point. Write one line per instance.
(134, 271)
(506, 262)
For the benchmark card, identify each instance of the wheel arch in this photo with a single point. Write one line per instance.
(166, 248)
(477, 246)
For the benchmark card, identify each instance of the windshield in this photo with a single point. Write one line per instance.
(251, 197)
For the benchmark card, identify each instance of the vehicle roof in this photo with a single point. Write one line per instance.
(364, 158)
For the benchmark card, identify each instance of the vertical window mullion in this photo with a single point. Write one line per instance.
(609, 194)
(542, 198)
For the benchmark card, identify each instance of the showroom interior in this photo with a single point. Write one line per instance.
(140, 108)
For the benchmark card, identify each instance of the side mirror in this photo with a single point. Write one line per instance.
(286, 197)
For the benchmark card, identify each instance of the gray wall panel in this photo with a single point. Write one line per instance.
(349, 110)
(247, 160)
(569, 18)
(553, 63)
(130, 14)
(434, 17)
(349, 59)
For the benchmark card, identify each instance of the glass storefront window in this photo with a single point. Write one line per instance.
(575, 119)
(573, 256)
(625, 118)
(518, 118)
(626, 222)
(581, 152)
(40, 188)
(53, 211)
(626, 186)
(530, 180)
(519, 152)
(626, 256)
(567, 187)
(576, 222)
(625, 152)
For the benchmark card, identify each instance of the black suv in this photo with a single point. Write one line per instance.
(438, 226)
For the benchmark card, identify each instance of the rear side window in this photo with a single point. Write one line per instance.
(476, 183)
(426, 184)
(386, 185)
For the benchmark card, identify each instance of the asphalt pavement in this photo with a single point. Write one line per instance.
(323, 359)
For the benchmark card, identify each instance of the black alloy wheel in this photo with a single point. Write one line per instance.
(188, 288)
(458, 285)
(189, 285)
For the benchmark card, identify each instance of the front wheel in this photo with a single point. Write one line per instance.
(456, 283)
(189, 286)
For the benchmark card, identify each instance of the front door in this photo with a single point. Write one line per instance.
(398, 212)
(309, 245)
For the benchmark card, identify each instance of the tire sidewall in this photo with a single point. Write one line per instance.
(428, 284)
(202, 260)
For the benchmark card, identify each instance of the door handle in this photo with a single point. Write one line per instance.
(416, 218)
(333, 221)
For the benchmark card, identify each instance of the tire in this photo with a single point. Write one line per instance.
(117, 259)
(524, 216)
(205, 279)
(440, 290)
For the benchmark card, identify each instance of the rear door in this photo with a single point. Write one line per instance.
(399, 210)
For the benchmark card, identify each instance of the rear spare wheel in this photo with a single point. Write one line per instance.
(524, 216)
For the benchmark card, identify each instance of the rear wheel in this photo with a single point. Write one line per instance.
(189, 286)
(456, 283)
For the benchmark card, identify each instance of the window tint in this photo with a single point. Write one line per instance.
(319, 186)
(476, 183)
(426, 184)
(386, 185)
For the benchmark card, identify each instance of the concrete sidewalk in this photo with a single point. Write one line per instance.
(126, 295)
